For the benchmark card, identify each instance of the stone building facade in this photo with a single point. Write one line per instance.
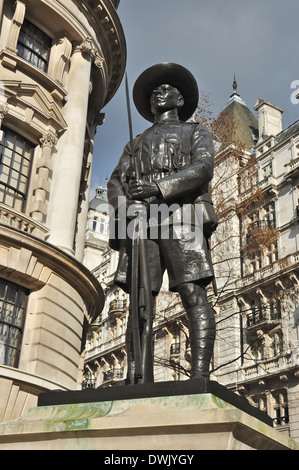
(256, 351)
(256, 264)
(60, 62)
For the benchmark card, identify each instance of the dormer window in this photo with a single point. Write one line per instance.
(34, 45)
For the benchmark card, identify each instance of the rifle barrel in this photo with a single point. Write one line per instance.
(140, 281)
(131, 127)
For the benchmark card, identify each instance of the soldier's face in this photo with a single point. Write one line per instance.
(164, 98)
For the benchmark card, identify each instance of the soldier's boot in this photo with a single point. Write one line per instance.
(202, 338)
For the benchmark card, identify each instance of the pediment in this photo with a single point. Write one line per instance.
(26, 96)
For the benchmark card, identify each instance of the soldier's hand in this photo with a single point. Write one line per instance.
(142, 189)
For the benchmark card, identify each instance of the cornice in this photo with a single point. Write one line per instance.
(80, 20)
(106, 18)
(106, 32)
(61, 263)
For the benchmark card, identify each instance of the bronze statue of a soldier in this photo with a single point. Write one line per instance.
(175, 161)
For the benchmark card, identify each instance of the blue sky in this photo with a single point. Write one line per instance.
(255, 39)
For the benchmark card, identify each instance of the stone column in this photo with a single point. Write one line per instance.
(82, 214)
(63, 204)
(41, 184)
(84, 205)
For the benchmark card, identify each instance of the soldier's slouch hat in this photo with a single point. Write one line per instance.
(170, 74)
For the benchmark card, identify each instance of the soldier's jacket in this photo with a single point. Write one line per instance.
(179, 157)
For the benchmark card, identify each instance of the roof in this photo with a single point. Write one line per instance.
(287, 133)
(100, 203)
(243, 122)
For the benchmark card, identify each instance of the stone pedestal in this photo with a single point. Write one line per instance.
(185, 422)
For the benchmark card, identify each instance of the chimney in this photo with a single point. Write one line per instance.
(269, 119)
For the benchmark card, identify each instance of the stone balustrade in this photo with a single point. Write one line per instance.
(261, 368)
(16, 219)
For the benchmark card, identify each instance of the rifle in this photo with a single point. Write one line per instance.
(141, 300)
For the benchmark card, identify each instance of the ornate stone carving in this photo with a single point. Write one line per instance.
(18, 18)
(87, 46)
(98, 61)
(262, 296)
(48, 140)
(63, 54)
(3, 111)
(294, 279)
(283, 378)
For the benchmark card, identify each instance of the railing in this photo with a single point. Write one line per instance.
(263, 314)
(117, 307)
(96, 324)
(88, 383)
(265, 366)
(292, 167)
(13, 218)
(282, 420)
(277, 267)
(268, 182)
(259, 226)
(113, 374)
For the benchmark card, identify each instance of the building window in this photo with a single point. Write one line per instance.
(275, 309)
(256, 314)
(267, 170)
(281, 409)
(260, 402)
(34, 45)
(13, 300)
(15, 163)
(272, 254)
(102, 226)
(256, 261)
(98, 225)
(265, 346)
(270, 215)
(175, 348)
(276, 344)
(257, 349)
